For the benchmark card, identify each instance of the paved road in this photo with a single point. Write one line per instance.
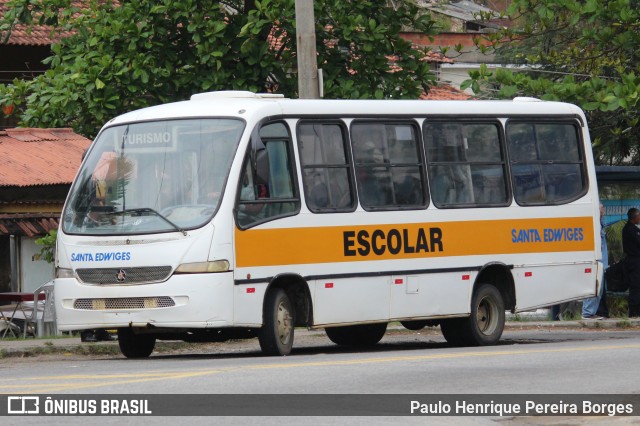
(528, 361)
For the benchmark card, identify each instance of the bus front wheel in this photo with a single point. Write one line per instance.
(357, 335)
(276, 334)
(135, 345)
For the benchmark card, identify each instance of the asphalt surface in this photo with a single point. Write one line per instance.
(11, 347)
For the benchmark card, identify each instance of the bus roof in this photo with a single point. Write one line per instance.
(246, 105)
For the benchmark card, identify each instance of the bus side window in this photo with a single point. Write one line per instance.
(274, 195)
(326, 169)
(546, 162)
(388, 164)
(466, 164)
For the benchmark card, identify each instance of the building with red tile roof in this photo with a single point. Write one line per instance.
(22, 54)
(445, 92)
(37, 167)
(38, 35)
(25, 48)
(31, 157)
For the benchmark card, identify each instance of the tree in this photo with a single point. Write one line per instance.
(48, 243)
(128, 55)
(579, 51)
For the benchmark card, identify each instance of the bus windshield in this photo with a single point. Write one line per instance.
(160, 176)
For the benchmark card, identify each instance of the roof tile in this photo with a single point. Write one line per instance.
(36, 35)
(444, 92)
(40, 156)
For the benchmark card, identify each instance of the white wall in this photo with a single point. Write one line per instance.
(34, 271)
(458, 72)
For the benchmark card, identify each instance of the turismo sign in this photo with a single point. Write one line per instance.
(147, 139)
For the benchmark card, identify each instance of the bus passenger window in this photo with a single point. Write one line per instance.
(374, 181)
(317, 193)
(389, 168)
(326, 171)
(466, 164)
(546, 162)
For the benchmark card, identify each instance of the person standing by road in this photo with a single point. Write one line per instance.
(590, 306)
(631, 248)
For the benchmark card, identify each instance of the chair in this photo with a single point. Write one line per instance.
(45, 323)
(17, 319)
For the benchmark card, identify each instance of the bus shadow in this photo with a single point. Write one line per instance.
(330, 348)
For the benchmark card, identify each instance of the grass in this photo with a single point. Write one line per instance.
(618, 306)
(625, 323)
(10, 338)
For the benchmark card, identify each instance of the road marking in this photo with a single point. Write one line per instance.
(85, 381)
(440, 356)
(27, 388)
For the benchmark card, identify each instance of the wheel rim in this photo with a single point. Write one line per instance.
(487, 316)
(284, 323)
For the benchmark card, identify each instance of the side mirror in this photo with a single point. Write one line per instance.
(259, 158)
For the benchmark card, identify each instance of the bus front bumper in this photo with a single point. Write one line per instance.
(183, 301)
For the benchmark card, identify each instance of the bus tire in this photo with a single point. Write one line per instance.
(486, 322)
(276, 334)
(135, 345)
(357, 335)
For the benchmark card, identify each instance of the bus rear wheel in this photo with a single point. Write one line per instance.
(276, 334)
(135, 345)
(357, 335)
(484, 326)
(487, 316)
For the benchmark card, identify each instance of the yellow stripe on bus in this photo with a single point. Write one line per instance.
(286, 246)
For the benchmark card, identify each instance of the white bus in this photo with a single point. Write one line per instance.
(236, 214)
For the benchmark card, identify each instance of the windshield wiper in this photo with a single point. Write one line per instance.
(150, 210)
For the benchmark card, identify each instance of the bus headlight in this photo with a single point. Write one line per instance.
(64, 273)
(203, 267)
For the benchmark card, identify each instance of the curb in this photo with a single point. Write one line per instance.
(609, 323)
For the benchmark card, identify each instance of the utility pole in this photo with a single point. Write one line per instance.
(308, 87)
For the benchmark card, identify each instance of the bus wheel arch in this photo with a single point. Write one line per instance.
(287, 304)
(499, 275)
(297, 290)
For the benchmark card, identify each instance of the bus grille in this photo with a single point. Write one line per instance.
(146, 274)
(124, 303)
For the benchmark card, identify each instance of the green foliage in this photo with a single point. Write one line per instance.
(48, 243)
(137, 54)
(618, 305)
(578, 51)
